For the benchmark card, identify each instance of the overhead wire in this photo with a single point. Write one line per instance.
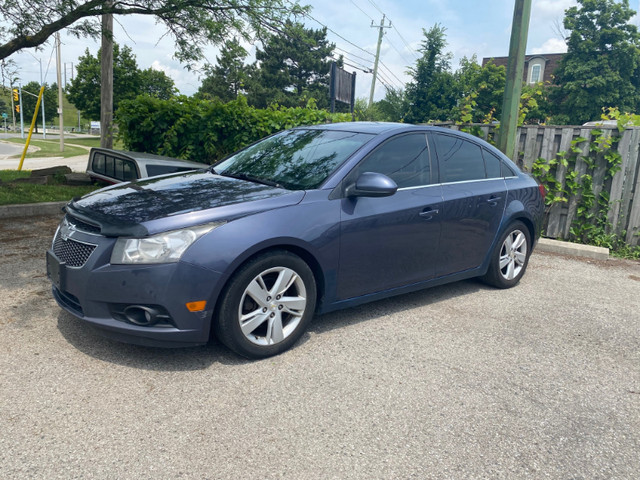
(356, 5)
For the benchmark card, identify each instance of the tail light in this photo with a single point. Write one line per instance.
(543, 191)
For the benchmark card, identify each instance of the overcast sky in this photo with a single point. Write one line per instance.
(480, 27)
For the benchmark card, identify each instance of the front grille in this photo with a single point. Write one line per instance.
(74, 254)
(82, 226)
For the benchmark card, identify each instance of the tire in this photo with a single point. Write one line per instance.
(266, 305)
(510, 257)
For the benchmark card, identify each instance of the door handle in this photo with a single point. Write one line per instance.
(493, 200)
(428, 213)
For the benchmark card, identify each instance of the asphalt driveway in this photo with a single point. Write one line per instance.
(460, 381)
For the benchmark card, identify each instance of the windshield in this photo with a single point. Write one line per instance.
(294, 159)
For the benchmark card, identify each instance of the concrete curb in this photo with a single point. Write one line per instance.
(574, 249)
(31, 209)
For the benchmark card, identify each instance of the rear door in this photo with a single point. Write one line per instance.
(392, 241)
(474, 195)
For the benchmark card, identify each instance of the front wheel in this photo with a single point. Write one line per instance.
(510, 258)
(267, 305)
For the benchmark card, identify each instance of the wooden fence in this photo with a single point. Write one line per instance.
(545, 142)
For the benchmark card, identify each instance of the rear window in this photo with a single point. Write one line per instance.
(114, 167)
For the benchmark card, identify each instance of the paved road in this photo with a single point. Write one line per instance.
(461, 381)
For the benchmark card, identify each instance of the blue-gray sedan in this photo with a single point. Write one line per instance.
(306, 221)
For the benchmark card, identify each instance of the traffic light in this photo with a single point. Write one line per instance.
(17, 108)
(15, 95)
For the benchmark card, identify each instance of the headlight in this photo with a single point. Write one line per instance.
(166, 247)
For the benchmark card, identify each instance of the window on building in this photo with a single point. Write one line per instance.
(535, 73)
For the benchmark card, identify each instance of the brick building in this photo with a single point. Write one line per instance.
(537, 68)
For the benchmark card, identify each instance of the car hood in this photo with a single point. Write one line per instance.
(175, 201)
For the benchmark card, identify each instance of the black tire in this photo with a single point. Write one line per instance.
(272, 323)
(513, 249)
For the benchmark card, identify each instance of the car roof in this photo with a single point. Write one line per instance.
(359, 127)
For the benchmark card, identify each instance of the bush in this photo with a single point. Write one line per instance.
(203, 130)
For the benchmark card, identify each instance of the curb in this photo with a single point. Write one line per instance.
(31, 209)
(574, 249)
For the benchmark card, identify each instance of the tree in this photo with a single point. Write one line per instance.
(84, 91)
(228, 78)
(156, 83)
(292, 68)
(192, 23)
(484, 86)
(29, 101)
(393, 106)
(432, 93)
(602, 64)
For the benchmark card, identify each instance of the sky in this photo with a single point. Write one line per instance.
(473, 27)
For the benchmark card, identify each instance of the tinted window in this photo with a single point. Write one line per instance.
(492, 165)
(295, 159)
(109, 167)
(98, 163)
(404, 159)
(507, 171)
(460, 160)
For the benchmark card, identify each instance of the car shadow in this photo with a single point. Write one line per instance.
(88, 341)
(389, 306)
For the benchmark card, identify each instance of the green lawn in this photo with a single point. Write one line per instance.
(50, 148)
(11, 194)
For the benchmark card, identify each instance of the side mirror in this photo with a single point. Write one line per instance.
(371, 184)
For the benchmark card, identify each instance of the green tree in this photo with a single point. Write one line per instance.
(84, 91)
(156, 83)
(484, 86)
(29, 101)
(228, 77)
(602, 64)
(393, 107)
(292, 67)
(431, 94)
(192, 23)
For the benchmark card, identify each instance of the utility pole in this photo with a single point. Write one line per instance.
(44, 123)
(60, 109)
(513, 87)
(375, 63)
(106, 81)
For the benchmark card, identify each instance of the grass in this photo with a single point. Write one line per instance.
(11, 194)
(49, 148)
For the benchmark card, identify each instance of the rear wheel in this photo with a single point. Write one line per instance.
(510, 257)
(267, 305)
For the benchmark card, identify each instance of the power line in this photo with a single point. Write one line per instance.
(376, 7)
(387, 80)
(398, 52)
(356, 5)
(392, 74)
(352, 54)
(365, 67)
(337, 34)
(406, 44)
(350, 65)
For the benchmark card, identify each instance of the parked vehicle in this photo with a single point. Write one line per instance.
(309, 220)
(114, 166)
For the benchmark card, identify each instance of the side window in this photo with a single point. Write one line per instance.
(507, 171)
(109, 167)
(405, 159)
(128, 171)
(492, 164)
(98, 163)
(460, 160)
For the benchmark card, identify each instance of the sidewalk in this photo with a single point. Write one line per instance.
(76, 164)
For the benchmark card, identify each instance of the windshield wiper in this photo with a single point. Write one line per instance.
(249, 178)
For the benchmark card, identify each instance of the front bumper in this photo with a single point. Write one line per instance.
(96, 291)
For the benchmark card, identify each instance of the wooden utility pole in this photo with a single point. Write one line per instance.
(513, 87)
(375, 63)
(106, 82)
(60, 109)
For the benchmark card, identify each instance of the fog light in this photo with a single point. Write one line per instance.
(141, 315)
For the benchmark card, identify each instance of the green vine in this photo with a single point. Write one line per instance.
(590, 225)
